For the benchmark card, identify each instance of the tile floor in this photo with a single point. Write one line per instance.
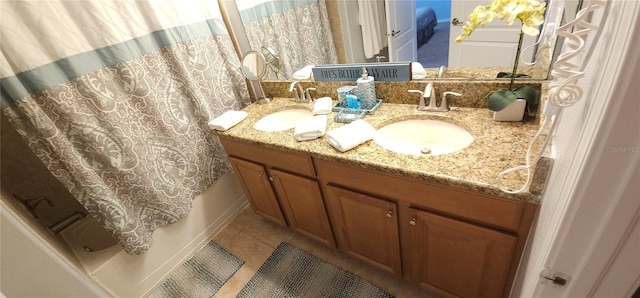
(253, 239)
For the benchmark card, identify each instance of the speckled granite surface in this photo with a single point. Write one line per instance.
(497, 146)
(474, 93)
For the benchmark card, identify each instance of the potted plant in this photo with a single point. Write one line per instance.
(530, 14)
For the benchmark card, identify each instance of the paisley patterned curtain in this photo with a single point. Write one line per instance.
(114, 97)
(297, 30)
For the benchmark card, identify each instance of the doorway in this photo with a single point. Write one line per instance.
(432, 26)
(434, 53)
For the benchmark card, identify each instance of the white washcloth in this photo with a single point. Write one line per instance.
(304, 73)
(309, 128)
(227, 120)
(323, 105)
(351, 135)
(417, 71)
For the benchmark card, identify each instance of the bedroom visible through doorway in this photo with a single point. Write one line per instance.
(432, 32)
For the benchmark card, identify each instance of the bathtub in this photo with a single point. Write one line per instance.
(90, 243)
(87, 234)
(123, 275)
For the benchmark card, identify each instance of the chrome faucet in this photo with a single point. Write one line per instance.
(299, 93)
(430, 92)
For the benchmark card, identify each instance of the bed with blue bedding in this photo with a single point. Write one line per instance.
(426, 21)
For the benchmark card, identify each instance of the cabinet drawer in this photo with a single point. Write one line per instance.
(455, 202)
(284, 160)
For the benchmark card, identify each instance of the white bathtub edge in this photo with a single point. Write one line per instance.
(128, 276)
(188, 251)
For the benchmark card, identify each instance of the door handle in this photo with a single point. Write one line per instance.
(456, 22)
(393, 33)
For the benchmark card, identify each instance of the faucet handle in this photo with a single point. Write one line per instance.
(308, 95)
(452, 93)
(421, 103)
(443, 104)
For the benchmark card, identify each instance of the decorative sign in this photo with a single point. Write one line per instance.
(389, 72)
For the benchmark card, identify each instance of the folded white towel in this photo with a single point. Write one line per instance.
(323, 105)
(351, 135)
(417, 71)
(310, 128)
(304, 73)
(227, 120)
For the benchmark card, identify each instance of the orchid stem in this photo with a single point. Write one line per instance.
(515, 64)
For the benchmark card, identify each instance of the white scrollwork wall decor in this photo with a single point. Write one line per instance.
(563, 88)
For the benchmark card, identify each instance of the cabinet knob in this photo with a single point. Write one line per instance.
(412, 221)
(389, 214)
(270, 178)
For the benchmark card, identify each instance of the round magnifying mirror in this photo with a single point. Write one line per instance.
(254, 66)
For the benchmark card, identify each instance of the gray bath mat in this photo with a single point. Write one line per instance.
(202, 275)
(291, 272)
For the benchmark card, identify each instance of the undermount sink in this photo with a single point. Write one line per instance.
(423, 137)
(281, 120)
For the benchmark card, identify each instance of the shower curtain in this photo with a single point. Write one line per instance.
(114, 97)
(297, 30)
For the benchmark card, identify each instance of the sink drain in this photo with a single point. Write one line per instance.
(425, 150)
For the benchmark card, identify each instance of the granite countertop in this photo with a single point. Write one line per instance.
(497, 146)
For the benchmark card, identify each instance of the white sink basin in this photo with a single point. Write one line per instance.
(423, 137)
(281, 120)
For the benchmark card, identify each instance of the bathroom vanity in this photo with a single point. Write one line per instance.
(437, 221)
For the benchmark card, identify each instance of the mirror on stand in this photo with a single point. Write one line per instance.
(255, 66)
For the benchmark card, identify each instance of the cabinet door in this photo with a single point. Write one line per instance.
(302, 205)
(367, 227)
(255, 180)
(457, 257)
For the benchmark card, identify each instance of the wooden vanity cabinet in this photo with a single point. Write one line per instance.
(281, 186)
(454, 242)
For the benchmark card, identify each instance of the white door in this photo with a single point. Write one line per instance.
(492, 45)
(401, 30)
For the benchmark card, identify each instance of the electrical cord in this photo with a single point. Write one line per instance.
(563, 90)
